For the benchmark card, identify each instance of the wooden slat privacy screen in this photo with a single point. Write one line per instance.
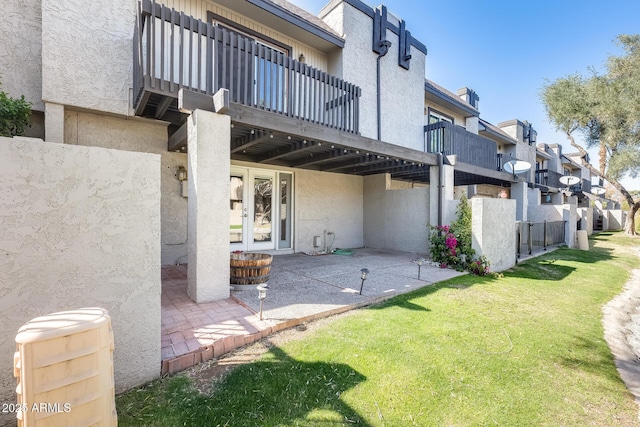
(444, 137)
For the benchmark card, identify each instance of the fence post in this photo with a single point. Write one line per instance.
(545, 235)
(530, 243)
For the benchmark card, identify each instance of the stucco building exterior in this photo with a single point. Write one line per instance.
(271, 128)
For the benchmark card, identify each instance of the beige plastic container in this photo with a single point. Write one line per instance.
(64, 366)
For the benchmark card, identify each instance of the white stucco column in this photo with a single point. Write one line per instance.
(53, 122)
(570, 216)
(208, 145)
(519, 193)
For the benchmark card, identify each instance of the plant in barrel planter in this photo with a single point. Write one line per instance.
(249, 270)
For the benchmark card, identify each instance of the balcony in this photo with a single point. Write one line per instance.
(444, 137)
(548, 178)
(173, 51)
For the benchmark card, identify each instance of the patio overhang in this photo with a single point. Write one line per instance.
(262, 137)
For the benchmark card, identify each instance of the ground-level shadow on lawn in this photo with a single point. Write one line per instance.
(550, 267)
(275, 390)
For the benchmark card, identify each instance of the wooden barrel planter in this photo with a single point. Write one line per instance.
(249, 270)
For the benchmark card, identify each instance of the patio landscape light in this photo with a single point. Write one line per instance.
(363, 275)
(262, 294)
(420, 262)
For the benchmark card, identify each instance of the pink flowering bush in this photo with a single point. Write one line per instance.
(446, 248)
(451, 244)
(480, 266)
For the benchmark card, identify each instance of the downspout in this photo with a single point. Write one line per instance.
(384, 48)
(440, 184)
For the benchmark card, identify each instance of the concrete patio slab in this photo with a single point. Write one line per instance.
(301, 288)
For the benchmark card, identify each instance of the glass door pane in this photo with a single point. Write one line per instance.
(262, 209)
(285, 210)
(238, 212)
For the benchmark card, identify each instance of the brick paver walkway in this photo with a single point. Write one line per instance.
(192, 333)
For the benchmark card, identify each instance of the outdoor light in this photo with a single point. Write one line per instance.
(363, 275)
(420, 262)
(182, 173)
(301, 58)
(262, 294)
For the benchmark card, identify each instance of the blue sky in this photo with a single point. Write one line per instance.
(504, 50)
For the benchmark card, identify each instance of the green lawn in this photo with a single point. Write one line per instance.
(523, 350)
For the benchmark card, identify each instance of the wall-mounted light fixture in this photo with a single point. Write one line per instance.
(301, 58)
(181, 174)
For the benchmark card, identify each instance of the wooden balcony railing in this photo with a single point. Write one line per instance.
(444, 137)
(548, 178)
(174, 51)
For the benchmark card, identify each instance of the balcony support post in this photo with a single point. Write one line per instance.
(442, 209)
(208, 142)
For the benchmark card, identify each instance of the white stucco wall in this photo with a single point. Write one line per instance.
(331, 202)
(585, 216)
(616, 219)
(395, 219)
(87, 53)
(20, 53)
(543, 213)
(402, 91)
(89, 129)
(80, 227)
(494, 239)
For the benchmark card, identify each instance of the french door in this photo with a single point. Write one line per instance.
(260, 209)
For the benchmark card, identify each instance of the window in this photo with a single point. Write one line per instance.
(436, 137)
(260, 80)
(436, 116)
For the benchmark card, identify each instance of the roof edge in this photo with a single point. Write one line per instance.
(298, 21)
(434, 90)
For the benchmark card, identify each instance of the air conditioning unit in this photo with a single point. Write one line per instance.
(64, 367)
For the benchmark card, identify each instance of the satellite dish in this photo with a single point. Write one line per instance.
(598, 191)
(569, 180)
(516, 167)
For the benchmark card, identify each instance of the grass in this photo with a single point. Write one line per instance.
(523, 350)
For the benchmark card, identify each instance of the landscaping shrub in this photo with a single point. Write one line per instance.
(451, 245)
(14, 115)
